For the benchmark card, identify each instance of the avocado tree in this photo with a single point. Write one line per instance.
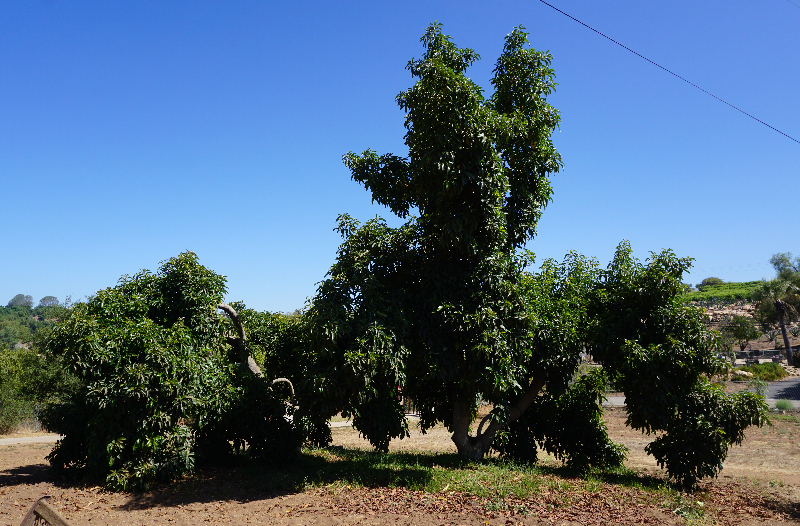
(441, 292)
(442, 310)
(163, 376)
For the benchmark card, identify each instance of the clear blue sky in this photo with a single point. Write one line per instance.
(133, 131)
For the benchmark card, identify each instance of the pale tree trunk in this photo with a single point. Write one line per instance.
(475, 447)
(781, 308)
(246, 359)
(241, 345)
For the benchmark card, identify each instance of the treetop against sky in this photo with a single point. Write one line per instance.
(132, 133)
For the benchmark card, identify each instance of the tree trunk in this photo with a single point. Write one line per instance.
(780, 308)
(241, 344)
(475, 447)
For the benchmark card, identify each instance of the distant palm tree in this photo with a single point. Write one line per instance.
(774, 300)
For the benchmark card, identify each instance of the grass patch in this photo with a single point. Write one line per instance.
(783, 405)
(693, 511)
(767, 372)
(339, 467)
(793, 418)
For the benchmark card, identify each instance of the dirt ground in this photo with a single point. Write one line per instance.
(760, 484)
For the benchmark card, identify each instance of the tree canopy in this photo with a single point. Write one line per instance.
(21, 300)
(442, 310)
(48, 301)
(160, 381)
(786, 265)
(742, 330)
(708, 282)
(441, 292)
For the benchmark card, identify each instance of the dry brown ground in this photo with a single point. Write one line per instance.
(760, 484)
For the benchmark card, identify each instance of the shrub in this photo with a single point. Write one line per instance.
(158, 383)
(768, 372)
(759, 387)
(742, 330)
(783, 405)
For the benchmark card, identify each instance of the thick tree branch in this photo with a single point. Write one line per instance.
(516, 411)
(244, 350)
(476, 447)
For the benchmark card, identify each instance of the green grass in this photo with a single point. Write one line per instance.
(495, 484)
(335, 466)
(767, 372)
(724, 292)
(783, 405)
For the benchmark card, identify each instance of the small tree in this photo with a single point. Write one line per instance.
(786, 265)
(743, 330)
(709, 282)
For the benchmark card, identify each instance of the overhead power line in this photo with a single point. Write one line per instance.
(796, 5)
(670, 72)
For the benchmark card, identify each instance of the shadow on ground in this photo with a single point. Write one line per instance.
(32, 474)
(243, 480)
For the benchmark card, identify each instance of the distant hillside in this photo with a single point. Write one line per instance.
(724, 292)
(18, 325)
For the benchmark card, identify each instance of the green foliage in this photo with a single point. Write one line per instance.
(28, 379)
(156, 381)
(14, 405)
(433, 307)
(48, 301)
(21, 325)
(280, 344)
(659, 351)
(14, 410)
(441, 309)
(569, 426)
(765, 295)
(783, 405)
(778, 301)
(742, 329)
(768, 372)
(786, 265)
(707, 422)
(708, 282)
(759, 387)
(21, 300)
(725, 292)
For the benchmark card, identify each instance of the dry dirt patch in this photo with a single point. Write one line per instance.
(759, 485)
